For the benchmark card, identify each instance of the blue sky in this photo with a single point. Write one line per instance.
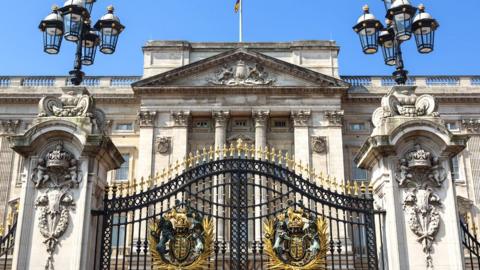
(456, 53)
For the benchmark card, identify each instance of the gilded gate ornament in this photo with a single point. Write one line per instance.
(296, 240)
(181, 239)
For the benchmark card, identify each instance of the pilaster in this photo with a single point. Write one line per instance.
(301, 123)
(179, 134)
(66, 163)
(334, 135)
(146, 122)
(408, 154)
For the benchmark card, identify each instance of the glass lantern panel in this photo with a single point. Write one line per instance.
(403, 26)
(88, 55)
(73, 26)
(425, 40)
(108, 42)
(369, 43)
(51, 43)
(389, 55)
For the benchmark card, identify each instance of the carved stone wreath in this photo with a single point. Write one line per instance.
(54, 177)
(163, 144)
(75, 102)
(420, 174)
(319, 144)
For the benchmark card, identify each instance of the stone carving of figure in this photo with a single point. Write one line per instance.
(40, 177)
(405, 176)
(437, 174)
(226, 74)
(73, 175)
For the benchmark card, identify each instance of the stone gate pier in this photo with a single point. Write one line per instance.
(408, 154)
(67, 157)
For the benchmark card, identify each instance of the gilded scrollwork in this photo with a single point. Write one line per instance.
(54, 177)
(181, 239)
(296, 239)
(420, 173)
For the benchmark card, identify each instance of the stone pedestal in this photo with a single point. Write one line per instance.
(67, 158)
(408, 154)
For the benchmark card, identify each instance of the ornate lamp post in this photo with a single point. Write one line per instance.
(72, 22)
(403, 20)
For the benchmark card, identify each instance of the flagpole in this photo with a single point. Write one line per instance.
(241, 21)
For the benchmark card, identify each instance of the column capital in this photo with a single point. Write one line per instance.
(335, 118)
(9, 126)
(180, 118)
(146, 118)
(221, 118)
(260, 117)
(301, 118)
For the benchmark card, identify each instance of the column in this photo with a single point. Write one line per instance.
(261, 121)
(179, 134)
(408, 155)
(144, 166)
(219, 194)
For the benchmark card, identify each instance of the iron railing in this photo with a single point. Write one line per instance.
(7, 244)
(240, 194)
(471, 246)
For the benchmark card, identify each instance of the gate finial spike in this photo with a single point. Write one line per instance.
(280, 157)
(204, 154)
(266, 153)
(272, 155)
(142, 183)
(197, 157)
(217, 152)
(355, 188)
(211, 153)
(252, 151)
(224, 151)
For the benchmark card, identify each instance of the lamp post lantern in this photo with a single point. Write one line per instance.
(403, 20)
(72, 22)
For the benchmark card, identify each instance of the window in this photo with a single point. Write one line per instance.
(240, 123)
(454, 164)
(201, 124)
(280, 123)
(357, 173)
(124, 127)
(452, 126)
(122, 172)
(357, 127)
(118, 231)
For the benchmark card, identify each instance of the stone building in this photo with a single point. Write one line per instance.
(285, 96)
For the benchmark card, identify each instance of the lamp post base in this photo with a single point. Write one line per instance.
(77, 77)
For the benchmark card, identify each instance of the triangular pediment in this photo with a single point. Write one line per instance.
(241, 68)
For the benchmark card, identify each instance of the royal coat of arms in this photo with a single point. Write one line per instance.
(296, 240)
(181, 239)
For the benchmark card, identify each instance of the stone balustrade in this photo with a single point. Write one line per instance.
(126, 81)
(61, 81)
(422, 81)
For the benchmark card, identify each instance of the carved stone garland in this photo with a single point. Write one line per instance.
(55, 175)
(242, 75)
(75, 102)
(421, 174)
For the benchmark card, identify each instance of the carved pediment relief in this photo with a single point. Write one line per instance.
(240, 68)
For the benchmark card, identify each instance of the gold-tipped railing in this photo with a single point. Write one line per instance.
(237, 150)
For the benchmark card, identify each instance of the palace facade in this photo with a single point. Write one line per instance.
(286, 97)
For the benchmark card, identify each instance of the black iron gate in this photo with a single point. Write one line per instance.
(239, 193)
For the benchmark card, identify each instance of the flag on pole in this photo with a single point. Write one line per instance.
(237, 6)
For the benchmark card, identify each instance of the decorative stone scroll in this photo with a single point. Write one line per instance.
(301, 118)
(334, 117)
(402, 101)
(242, 75)
(74, 102)
(319, 144)
(471, 125)
(55, 175)
(420, 174)
(9, 126)
(146, 118)
(180, 118)
(162, 144)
